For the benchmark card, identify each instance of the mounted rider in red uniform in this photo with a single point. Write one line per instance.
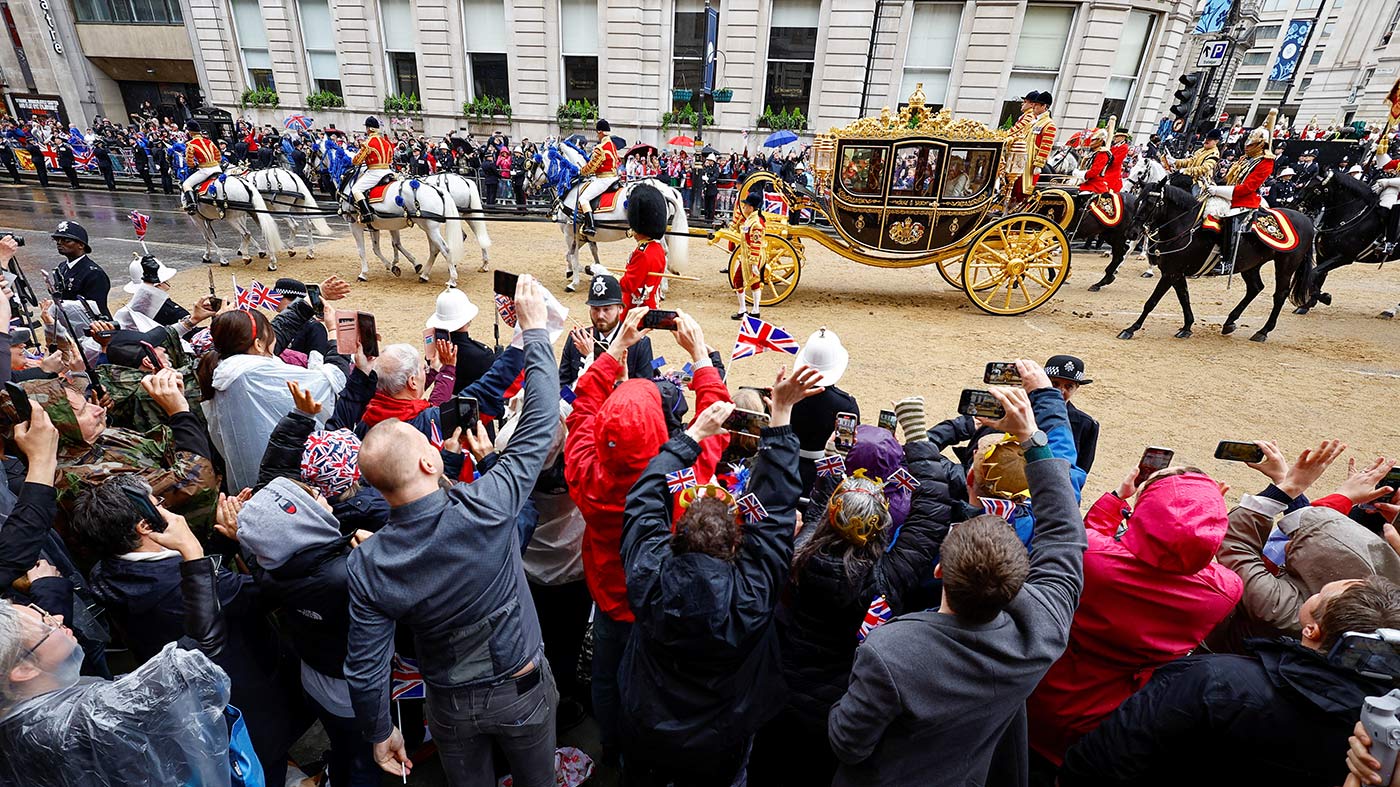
(1235, 202)
(602, 168)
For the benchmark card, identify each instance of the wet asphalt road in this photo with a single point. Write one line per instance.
(33, 212)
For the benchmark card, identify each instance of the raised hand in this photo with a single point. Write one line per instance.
(303, 399)
(167, 389)
(1311, 464)
(1033, 376)
(226, 516)
(1274, 466)
(334, 288)
(710, 421)
(1360, 486)
(530, 310)
(1019, 421)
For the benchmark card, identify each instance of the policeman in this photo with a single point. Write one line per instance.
(204, 159)
(377, 155)
(602, 168)
(78, 277)
(68, 163)
(7, 157)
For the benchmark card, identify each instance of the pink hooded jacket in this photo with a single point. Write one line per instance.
(1150, 597)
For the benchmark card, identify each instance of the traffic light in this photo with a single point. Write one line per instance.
(1186, 96)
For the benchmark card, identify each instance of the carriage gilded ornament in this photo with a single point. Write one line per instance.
(912, 188)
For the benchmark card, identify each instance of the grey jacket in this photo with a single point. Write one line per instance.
(447, 567)
(931, 696)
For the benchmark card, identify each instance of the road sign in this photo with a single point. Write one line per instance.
(1213, 53)
(1224, 116)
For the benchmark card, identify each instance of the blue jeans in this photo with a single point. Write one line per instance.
(352, 759)
(609, 641)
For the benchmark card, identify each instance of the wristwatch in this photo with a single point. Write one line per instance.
(1036, 446)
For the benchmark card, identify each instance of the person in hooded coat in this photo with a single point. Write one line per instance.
(613, 434)
(1280, 716)
(1150, 596)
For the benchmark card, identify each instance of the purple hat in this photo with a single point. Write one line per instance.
(879, 453)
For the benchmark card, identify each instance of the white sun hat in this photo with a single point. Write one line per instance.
(160, 270)
(454, 310)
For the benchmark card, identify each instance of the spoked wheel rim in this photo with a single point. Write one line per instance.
(1016, 264)
(781, 274)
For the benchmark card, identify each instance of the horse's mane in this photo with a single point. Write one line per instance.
(1354, 187)
(575, 148)
(1177, 197)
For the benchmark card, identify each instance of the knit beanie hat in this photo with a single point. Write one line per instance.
(910, 413)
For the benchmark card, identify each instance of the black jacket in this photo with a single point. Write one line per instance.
(702, 662)
(474, 359)
(823, 608)
(36, 155)
(65, 156)
(639, 359)
(311, 590)
(814, 419)
(1086, 436)
(103, 156)
(82, 278)
(1281, 716)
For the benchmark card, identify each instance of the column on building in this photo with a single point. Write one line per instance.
(741, 25)
(440, 67)
(843, 55)
(632, 69)
(223, 68)
(285, 51)
(360, 53)
(1079, 98)
(534, 63)
(995, 26)
(1157, 82)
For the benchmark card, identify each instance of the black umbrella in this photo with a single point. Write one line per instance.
(708, 151)
(576, 139)
(619, 142)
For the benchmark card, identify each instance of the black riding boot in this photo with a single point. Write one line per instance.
(1229, 243)
(588, 228)
(1392, 232)
(188, 202)
(366, 212)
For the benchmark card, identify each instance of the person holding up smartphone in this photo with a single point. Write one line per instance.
(586, 343)
(451, 321)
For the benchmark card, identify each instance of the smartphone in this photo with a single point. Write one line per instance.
(888, 420)
(369, 337)
(1153, 459)
(1374, 655)
(746, 422)
(846, 431)
(1001, 373)
(1392, 479)
(660, 318)
(20, 398)
(442, 335)
(347, 332)
(1239, 451)
(505, 283)
(149, 353)
(313, 296)
(96, 334)
(980, 403)
(213, 301)
(142, 503)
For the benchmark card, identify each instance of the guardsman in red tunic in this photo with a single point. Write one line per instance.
(1031, 139)
(377, 155)
(1235, 202)
(203, 158)
(646, 215)
(1119, 149)
(1095, 179)
(602, 168)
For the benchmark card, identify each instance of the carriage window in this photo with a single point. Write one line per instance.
(966, 173)
(862, 170)
(915, 170)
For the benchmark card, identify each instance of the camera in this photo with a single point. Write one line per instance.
(19, 239)
(1376, 656)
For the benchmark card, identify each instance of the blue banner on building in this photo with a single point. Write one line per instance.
(711, 47)
(1290, 50)
(1213, 15)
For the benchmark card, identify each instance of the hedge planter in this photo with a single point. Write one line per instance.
(724, 95)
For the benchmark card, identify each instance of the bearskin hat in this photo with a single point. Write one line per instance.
(646, 211)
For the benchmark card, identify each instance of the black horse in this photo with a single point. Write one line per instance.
(1350, 228)
(1119, 237)
(1181, 249)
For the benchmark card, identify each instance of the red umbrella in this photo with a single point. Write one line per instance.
(681, 141)
(1079, 138)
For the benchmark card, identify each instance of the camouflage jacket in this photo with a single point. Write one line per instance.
(132, 408)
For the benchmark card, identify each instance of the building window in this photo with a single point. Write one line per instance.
(484, 22)
(929, 59)
(148, 12)
(1304, 85)
(318, 36)
(1127, 64)
(1276, 5)
(1308, 5)
(579, 38)
(1266, 32)
(1390, 26)
(1257, 58)
(1245, 86)
(1316, 57)
(1039, 54)
(1273, 86)
(1327, 29)
(400, 44)
(792, 54)
(252, 44)
(688, 50)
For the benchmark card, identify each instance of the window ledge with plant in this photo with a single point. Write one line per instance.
(324, 99)
(576, 114)
(258, 97)
(403, 103)
(487, 106)
(792, 120)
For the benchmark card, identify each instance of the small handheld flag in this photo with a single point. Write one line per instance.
(750, 508)
(658, 362)
(141, 222)
(833, 465)
(680, 480)
(905, 479)
(756, 336)
(878, 615)
(998, 507)
(255, 296)
(506, 308)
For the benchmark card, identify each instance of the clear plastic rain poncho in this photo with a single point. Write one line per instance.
(160, 726)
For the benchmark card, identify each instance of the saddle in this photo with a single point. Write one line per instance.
(607, 199)
(1270, 226)
(1107, 208)
(376, 193)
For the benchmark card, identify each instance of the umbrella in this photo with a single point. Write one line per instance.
(1079, 138)
(576, 139)
(618, 142)
(298, 123)
(641, 148)
(708, 151)
(779, 138)
(681, 141)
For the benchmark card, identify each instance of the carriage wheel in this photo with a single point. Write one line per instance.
(780, 275)
(1015, 264)
(950, 268)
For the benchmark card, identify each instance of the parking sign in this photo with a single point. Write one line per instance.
(1213, 53)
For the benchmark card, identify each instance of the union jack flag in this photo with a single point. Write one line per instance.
(832, 465)
(506, 308)
(434, 434)
(680, 480)
(878, 615)
(255, 296)
(905, 479)
(756, 336)
(405, 681)
(998, 507)
(141, 222)
(83, 158)
(750, 508)
(50, 157)
(567, 394)
(775, 204)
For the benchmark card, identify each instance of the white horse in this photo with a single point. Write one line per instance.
(467, 198)
(281, 187)
(557, 165)
(405, 203)
(236, 201)
(1145, 171)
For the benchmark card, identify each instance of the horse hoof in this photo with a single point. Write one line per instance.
(262, 255)
(247, 260)
(362, 277)
(485, 268)
(396, 270)
(1227, 329)
(1148, 274)
(1325, 298)
(1184, 333)
(223, 263)
(1386, 315)
(291, 252)
(422, 279)
(1100, 284)
(571, 288)
(1259, 337)
(1301, 310)
(1125, 334)
(272, 266)
(418, 269)
(207, 261)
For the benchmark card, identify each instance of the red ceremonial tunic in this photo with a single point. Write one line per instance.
(638, 286)
(1096, 180)
(1246, 186)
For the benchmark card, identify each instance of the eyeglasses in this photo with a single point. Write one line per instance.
(51, 623)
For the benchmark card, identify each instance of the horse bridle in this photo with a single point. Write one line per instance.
(1349, 222)
(1151, 235)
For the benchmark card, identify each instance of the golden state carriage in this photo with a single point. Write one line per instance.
(914, 188)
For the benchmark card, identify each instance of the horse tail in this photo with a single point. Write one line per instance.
(452, 227)
(1300, 289)
(678, 246)
(266, 221)
(318, 224)
(478, 217)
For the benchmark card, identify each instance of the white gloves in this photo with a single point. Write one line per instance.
(1224, 192)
